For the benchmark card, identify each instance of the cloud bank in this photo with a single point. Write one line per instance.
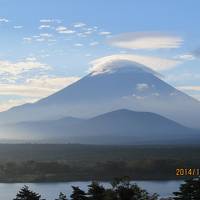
(33, 89)
(16, 68)
(190, 88)
(146, 40)
(108, 63)
(37, 87)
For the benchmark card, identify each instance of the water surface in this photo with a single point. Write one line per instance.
(50, 191)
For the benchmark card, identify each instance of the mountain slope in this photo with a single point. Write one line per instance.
(117, 127)
(129, 86)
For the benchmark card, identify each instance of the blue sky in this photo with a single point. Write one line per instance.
(46, 45)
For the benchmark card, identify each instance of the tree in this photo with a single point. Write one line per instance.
(110, 194)
(126, 191)
(61, 196)
(78, 194)
(26, 194)
(96, 191)
(189, 190)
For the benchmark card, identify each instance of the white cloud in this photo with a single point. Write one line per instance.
(104, 33)
(51, 40)
(79, 25)
(186, 57)
(190, 88)
(146, 40)
(63, 29)
(88, 32)
(46, 20)
(78, 44)
(50, 21)
(16, 68)
(82, 35)
(33, 89)
(54, 83)
(44, 26)
(17, 27)
(182, 77)
(20, 88)
(94, 43)
(142, 87)
(138, 97)
(46, 35)
(31, 59)
(107, 63)
(40, 39)
(67, 31)
(5, 105)
(24, 90)
(196, 96)
(37, 87)
(3, 20)
(27, 39)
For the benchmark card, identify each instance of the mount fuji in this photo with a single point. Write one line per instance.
(118, 85)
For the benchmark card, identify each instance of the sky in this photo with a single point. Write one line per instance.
(47, 45)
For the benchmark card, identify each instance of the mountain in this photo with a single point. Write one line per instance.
(126, 85)
(116, 127)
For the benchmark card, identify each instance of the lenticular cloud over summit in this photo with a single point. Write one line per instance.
(112, 65)
(113, 62)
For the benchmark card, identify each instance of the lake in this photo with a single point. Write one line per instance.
(50, 191)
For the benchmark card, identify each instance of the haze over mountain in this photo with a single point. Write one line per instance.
(116, 127)
(120, 84)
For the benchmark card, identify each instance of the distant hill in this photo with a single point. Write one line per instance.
(117, 127)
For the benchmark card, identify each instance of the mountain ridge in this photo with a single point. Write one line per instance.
(129, 87)
(126, 126)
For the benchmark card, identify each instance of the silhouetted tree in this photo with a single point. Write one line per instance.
(62, 196)
(122, 189)
(26, 194)
(189, 190)
(78, 194)
(96, 191)
(127, 191)
(110, 194)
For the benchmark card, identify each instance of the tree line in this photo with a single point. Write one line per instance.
(53, 171)
(121, 189)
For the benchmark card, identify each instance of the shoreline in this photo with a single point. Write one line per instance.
(87, 180)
